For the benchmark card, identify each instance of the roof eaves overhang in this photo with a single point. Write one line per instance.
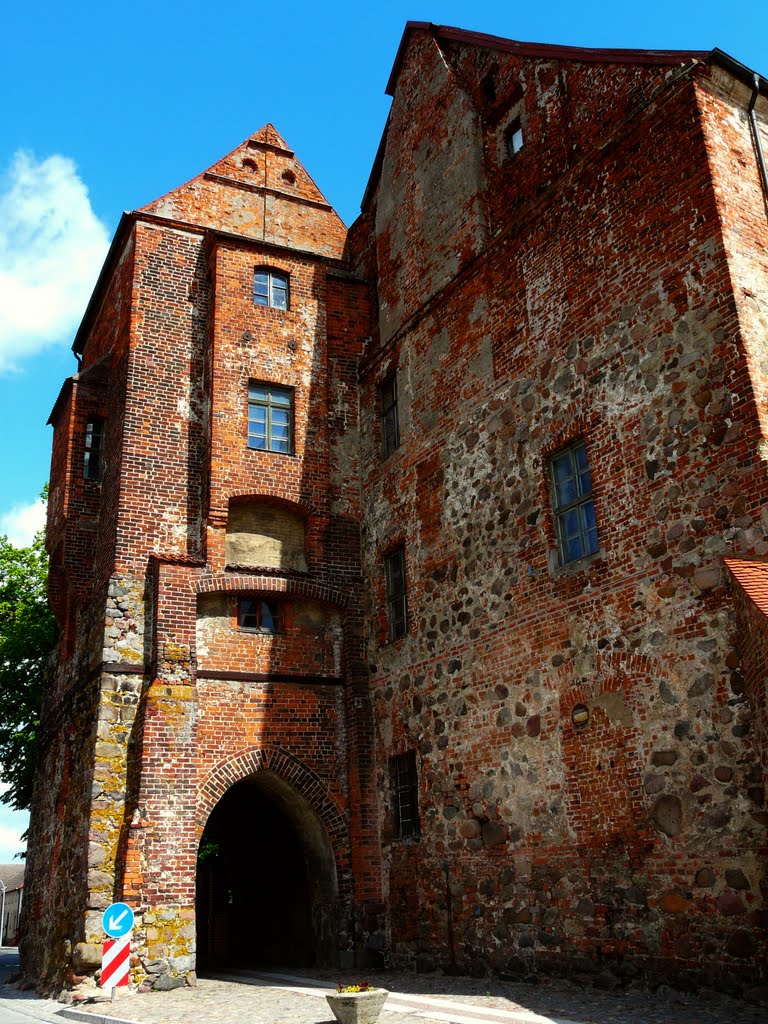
(546, 51)
(97, 295)
(751, 574)
(64, 391)
(373, 177)
(214, 236)
(739, 70)
(122, 233)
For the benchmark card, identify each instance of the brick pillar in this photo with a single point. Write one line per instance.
(161, 849)
(369, 905)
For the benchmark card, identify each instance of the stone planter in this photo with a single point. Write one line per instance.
(357, 1007)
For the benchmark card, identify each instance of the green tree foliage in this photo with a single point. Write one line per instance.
(26, 639)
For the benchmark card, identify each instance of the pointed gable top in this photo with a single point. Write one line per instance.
(270, 136)
(261, 191)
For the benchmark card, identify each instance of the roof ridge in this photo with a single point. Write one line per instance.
(606, 55)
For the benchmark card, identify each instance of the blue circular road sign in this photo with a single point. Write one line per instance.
(117, 920)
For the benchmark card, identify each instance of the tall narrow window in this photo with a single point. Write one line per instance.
(258, 614)
(390, 425)
(270, 418)
(397, 607)
(270, 288)
(572, 503)
(405, 795)
(94, 441)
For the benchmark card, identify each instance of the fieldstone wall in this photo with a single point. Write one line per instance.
(78, 815)
(633, 844)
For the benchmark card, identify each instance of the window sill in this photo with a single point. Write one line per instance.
(268, 451)
(385, 457)
(390, 642)
(558, 571)
(275, 571)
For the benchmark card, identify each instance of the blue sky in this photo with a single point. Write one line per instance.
(107, 106)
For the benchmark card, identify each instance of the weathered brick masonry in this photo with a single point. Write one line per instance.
(561, 255)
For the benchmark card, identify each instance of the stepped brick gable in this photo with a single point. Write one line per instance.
(411, 579)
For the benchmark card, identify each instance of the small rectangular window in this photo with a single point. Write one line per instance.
(515, 137)
(258, 614)
(390, 425)
(397, 607)
(94, 440)
(270, 418)
(572, 503)
(405, 795)
(270, 289)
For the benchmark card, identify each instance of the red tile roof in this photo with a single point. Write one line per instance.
(752, 576)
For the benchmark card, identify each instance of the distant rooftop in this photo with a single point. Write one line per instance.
(12, 875)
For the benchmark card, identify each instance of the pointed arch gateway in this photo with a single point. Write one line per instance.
(272, 872)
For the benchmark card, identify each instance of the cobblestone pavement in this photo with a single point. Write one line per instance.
(272, 998)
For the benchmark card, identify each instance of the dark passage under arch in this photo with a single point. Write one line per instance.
(266, 880)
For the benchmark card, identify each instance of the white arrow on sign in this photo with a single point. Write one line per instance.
(114, 922)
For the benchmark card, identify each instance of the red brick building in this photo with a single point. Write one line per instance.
(411, 579)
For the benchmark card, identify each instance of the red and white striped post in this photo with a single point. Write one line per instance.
(116, 962)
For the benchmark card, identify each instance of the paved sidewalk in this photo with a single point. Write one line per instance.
(26, 1006)
(275, 998)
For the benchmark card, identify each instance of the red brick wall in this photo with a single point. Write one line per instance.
(733, 163)
(184, 338)
(605, 283)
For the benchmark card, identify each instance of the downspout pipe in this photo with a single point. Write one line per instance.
(756, 132)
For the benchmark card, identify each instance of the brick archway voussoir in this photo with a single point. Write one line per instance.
(289, 768)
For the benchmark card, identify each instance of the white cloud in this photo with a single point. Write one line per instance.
(12, 824)
(22, 522)
(52, 246)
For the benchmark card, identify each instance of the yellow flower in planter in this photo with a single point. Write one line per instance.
(357, 1004)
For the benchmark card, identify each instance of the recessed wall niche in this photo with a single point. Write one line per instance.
(265, 535)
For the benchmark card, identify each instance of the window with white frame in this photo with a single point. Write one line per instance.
(270, 288)
(514, 136)
(270, 418)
